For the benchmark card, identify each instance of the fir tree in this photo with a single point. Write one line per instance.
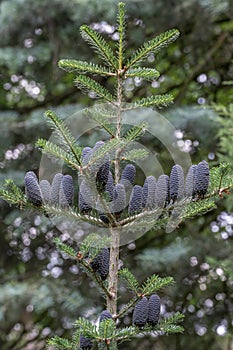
(113, 185)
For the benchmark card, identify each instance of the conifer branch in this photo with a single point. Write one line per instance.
(220, 178)
(87, 84)
(154, 283)
(52, 150)
(60, 343)
(147, 220)
(220, 181)
(65, 248)
(198, 208)
(168, 325)
(126, 333)
(101, 285)
(130, 279)
(108, 333)
(135, 154)
(88, 250)
(76, 338)
(75, 66)
(150, 101)
(12, 194)
(133, 133)
(102, 120)
(100, 45)
(152, 46)
(72, 213)
(107, 329)
(93, 242)
(87, 328)
(64, 134)
(144, 73)
(150, 286)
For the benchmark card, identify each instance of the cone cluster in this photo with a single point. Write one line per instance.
(60, 191)
(122, 197)
(132, 199)
(147, 311)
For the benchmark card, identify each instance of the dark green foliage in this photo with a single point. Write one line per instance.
(65, 137)
(52, 150)
(135, 202)
(100, 45)
(60, 343)
(32, 188)
(130, 279)
(153, 310)
(140, 313)
(71, 252)
(158, 101)
(128, 176)
(189, 181)
(85, 343)
(154, 283)
(176, 183)
(148, 193)
(162, 191)
(82, 67)
(153, 45)
(105, 314)
(202, 177)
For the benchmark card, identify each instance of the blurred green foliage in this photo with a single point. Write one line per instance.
(41, 292)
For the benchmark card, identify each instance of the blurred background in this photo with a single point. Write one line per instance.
(41, 292)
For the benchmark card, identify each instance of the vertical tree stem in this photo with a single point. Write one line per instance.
(113, 271)
(115, 232)
(118, 125)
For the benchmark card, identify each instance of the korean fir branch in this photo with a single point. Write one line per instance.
(80, 257)
(67, 148)
(117, 66)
